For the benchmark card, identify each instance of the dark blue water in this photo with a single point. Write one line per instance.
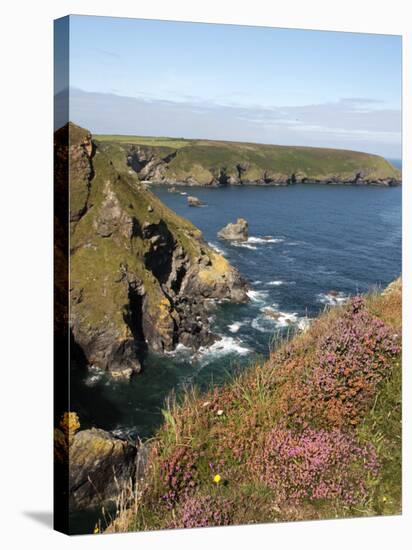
(322, 245)
(341, 239)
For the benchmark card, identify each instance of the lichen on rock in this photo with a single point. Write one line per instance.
(100, 466)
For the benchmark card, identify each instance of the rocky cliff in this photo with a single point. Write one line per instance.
(141, 277)
(217, 163)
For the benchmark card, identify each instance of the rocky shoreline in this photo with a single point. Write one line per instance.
(282, 181)
(152, 166)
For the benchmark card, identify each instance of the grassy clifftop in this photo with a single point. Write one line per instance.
(313, 433)
(139, 273)
(205, 162)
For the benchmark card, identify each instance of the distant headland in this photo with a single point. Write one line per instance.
(201, 162)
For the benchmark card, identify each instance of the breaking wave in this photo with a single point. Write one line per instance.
(234, 327)
(333, 298)
(265, 240)
(270, 318)
(225, 346)
(258, 296)
(216, 248)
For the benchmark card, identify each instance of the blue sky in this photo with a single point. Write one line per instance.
(225, 81)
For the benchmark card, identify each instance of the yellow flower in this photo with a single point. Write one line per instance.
(96, 530)
(384, 499)
(217, 478)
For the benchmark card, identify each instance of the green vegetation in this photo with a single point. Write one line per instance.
(130, 256)
(209, 162)
(174, 143)
(315, 432)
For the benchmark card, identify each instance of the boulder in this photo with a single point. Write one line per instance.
(194, 201)
(100, 466)
(238, 231)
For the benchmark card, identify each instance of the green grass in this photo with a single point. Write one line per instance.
(202, 159)
(104, 297)
(175, 143)
(383, 427)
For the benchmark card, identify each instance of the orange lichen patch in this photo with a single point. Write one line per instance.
(69, 424)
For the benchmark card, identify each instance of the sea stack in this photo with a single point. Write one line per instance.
(238, 231)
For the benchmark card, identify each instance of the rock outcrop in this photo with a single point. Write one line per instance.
(99, 465)
(238, 231)
(193, 201)
(141, 277)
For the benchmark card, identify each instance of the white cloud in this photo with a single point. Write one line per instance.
(356, 123)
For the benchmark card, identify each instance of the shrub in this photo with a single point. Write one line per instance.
(179, 475)
(314, 465)
(203, 511)
(348, 363)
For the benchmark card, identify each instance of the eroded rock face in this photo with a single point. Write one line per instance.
(141, 277)
(148, 163)
(188, 166)
(238, 231)
(100, 464)
(112, 218)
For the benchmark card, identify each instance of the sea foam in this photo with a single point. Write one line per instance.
(265, 240)
(271, 317)
(216, 248)
(234, 327)
(95, 376)
(224, 346)
(258, 296)
(333, 298)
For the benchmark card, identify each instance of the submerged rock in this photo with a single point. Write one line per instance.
(238, 231)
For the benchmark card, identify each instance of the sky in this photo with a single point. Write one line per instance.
(268, 85)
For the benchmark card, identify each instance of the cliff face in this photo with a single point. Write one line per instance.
(215, 163)
(141, 277)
